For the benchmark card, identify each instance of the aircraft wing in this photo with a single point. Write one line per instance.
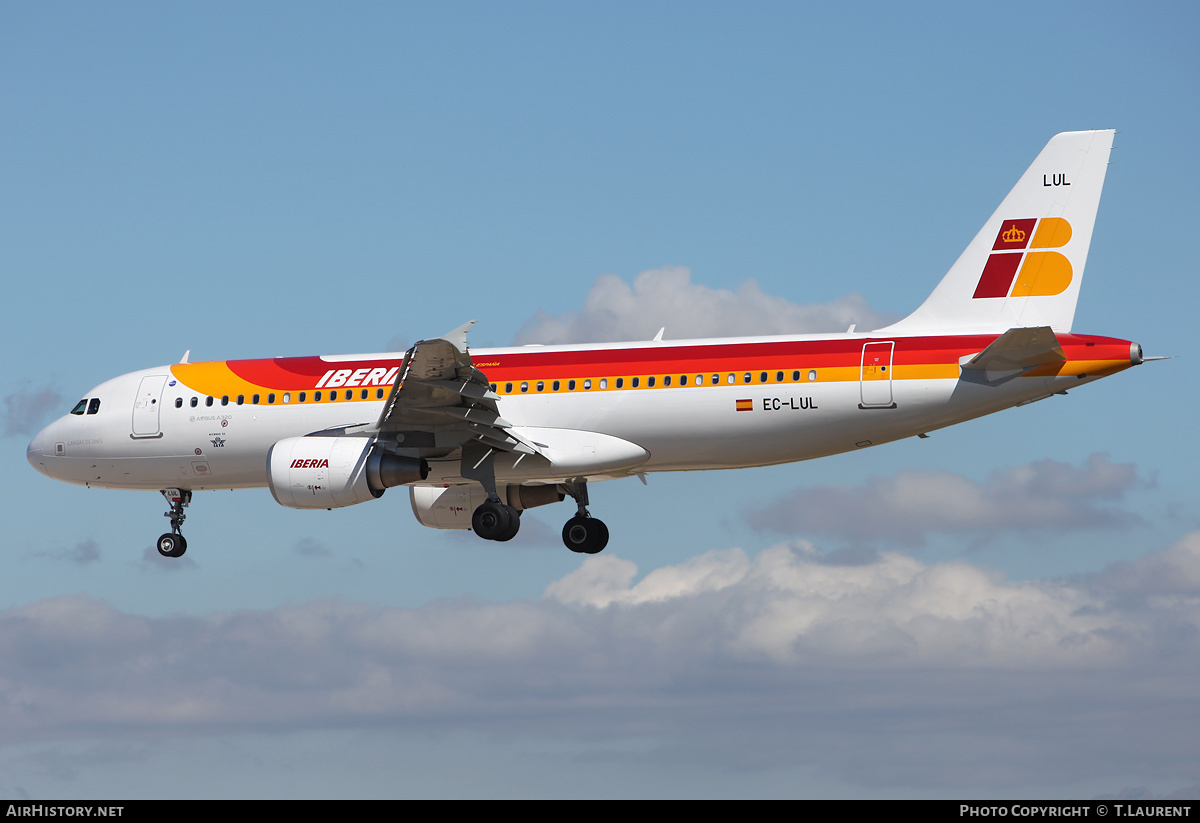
(440, 400)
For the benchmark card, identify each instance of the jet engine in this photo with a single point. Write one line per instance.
(330, 472)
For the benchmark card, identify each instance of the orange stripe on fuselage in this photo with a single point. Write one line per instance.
(914, 358)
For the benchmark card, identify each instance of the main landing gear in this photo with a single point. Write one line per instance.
(494, 520)
(173, 544)
(583, 533)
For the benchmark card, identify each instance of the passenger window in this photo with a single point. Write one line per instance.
(778, 377)
(194, 401)
(649, 382)
(699, 380)
(254, 399)
(316, 397)
(524, 387)
(94, 406)
(587, 384)
(271, 398)
(683, 379)
(287, 396)
(746, 377)
(570, 385)
(305, 394)
(179, 402)
(333, 395)
(812, 375)
(541, 385)
(795, 377)
(225, 400)
(508, 388)
(762, 378)
(241, 398)
(208, 401)
(731, 379)
(378, 395)
(604, 382)
(716, 379)
(635, 382)
(80, 407)
(555, 385)
(620, 382)
(667, 380)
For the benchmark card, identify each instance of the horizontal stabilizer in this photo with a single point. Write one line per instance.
(1015, 352)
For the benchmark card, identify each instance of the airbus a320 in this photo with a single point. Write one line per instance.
(480, 435)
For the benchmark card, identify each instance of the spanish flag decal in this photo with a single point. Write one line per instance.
(745, 405)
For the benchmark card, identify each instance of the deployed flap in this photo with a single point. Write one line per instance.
(440, 400)
(1015, 352)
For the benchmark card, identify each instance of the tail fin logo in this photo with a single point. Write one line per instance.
(1013, 235)
(1015, 269)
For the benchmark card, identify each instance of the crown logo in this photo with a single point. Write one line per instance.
(1013, 235)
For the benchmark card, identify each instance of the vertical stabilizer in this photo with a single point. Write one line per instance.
(1025, 266)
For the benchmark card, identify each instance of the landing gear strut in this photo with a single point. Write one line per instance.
(173, 544)
(492, 519)
(583, 533)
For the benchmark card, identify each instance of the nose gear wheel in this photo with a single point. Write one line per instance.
(173, 544)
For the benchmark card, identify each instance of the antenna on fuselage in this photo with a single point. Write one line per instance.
(185, 356)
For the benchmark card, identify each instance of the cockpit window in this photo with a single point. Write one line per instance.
(94, 405)
(80, 407)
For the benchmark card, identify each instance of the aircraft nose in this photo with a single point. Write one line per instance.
(35, 453)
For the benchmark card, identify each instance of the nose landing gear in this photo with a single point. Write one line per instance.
(173, 544)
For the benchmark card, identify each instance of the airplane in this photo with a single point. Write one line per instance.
(480, 435)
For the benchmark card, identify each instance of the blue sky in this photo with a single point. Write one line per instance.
(274, 179)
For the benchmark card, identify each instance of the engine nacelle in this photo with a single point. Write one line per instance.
(451, 507)
(331, 472)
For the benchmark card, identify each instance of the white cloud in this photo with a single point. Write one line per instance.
(789, 606)
(615, 310)
(911, 504)
(603, 580)
(1173, 571)
(888, 672)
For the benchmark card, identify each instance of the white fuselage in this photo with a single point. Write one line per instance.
(153, 433)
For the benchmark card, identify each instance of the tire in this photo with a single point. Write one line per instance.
(495, 521)
(585, 535)
(514, 525)
(172, 545)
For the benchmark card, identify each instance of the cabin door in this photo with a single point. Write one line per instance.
(876, 376)
(145, 406)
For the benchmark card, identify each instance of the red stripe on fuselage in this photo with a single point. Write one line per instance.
(305, 372)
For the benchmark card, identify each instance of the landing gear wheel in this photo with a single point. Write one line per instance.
(172, 545)
(585, 535)
(495, 521)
